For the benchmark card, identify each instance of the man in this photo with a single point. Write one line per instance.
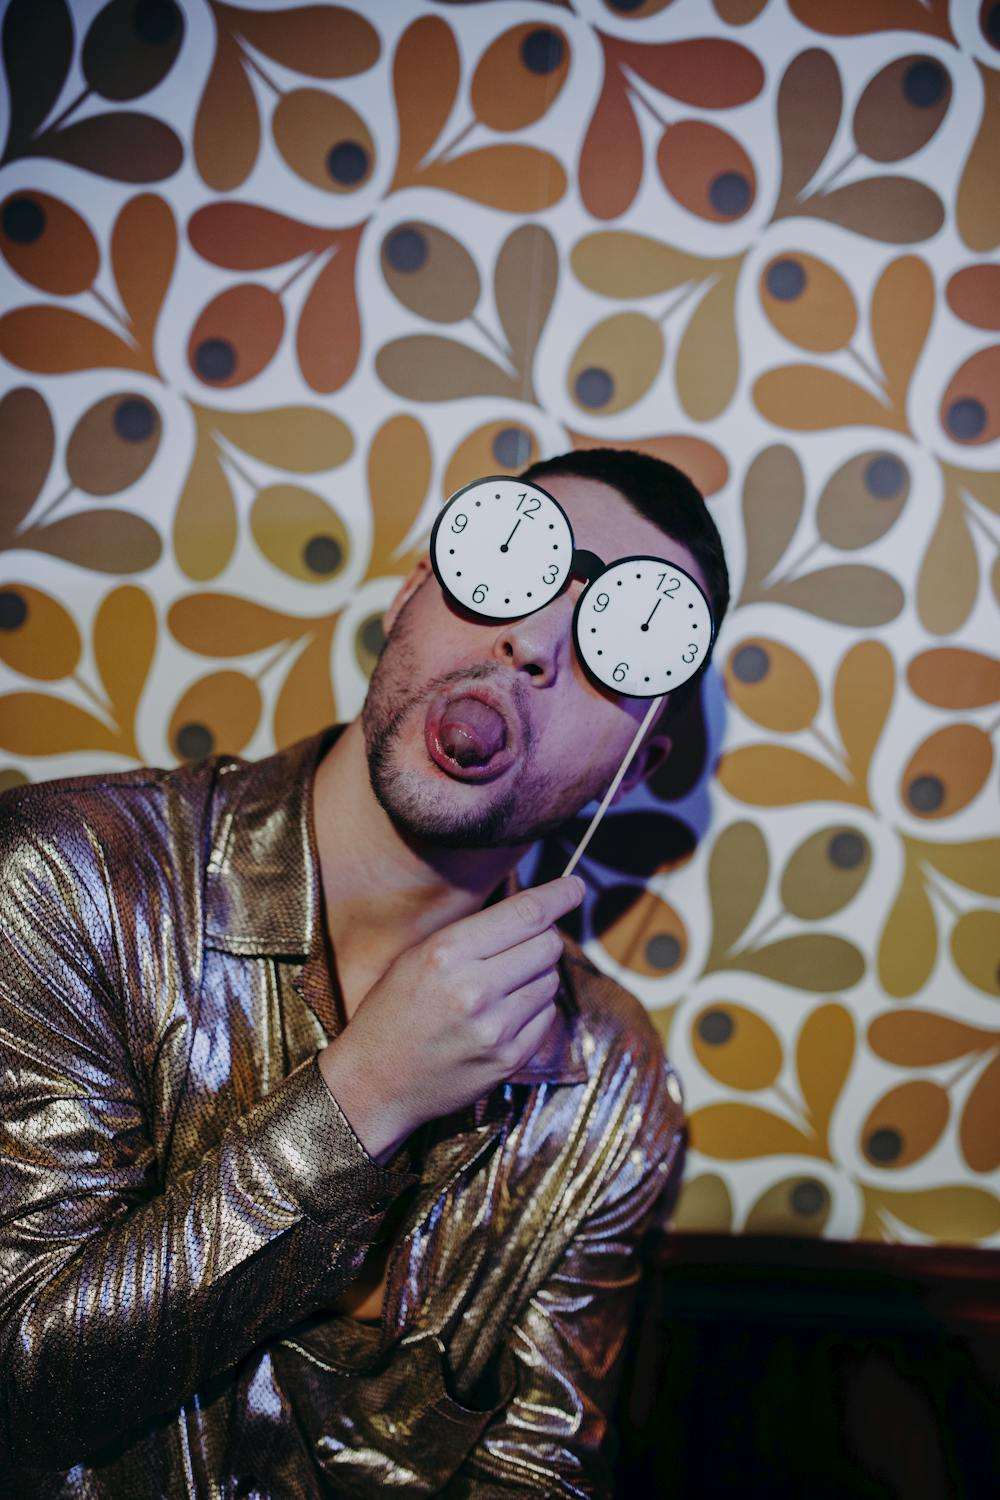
(324, 1173)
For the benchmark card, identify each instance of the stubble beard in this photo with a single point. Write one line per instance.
(529, 804)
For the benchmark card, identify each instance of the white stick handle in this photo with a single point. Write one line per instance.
(599, 814)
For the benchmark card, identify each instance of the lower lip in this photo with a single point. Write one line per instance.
(494, 767)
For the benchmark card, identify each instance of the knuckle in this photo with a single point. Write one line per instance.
(556, 943)
(439, 955)
(469, 997)
(528, 908)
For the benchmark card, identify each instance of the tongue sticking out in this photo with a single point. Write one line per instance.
(471, 732)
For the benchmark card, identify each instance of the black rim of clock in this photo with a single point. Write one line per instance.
(476, 484)
(642, 557)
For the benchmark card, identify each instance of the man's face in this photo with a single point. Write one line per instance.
(482, 733)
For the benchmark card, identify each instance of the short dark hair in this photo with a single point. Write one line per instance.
(662, 494)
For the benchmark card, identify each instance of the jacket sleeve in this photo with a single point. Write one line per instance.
(553, 1436)
(118, 1299)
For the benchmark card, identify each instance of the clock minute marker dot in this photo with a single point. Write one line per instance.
(645, 679)
(451, 552)
(600, 653)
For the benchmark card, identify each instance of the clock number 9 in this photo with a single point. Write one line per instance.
(693, 648)
(601, 603)
(479, 593)
(620, 672)
(461, 517)
(551, 573)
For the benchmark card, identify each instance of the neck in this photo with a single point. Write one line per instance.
(382, 893)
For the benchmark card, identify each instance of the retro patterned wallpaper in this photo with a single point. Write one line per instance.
(277, 278)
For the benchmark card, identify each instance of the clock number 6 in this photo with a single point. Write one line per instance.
(479, 593)
(620, 672)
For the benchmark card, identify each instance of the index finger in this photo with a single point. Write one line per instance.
(516, 918)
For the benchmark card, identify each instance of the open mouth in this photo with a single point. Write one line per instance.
(470, 736)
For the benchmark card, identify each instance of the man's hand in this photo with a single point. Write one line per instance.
(451, 1018)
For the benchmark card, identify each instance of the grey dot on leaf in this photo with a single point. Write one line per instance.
(884, 477)
(323, 554)
(808, 1198)
(925, 794)
(23, 220)
(715, 1027)
(194, 741)
(663, 951)
(13, 609)
(347, 162)
(729, 194)
(406, 249)
(751, 664)
(884, 1145)
(512, 447)
(847, 849)
(924, 83)
(786, 279)
(371, 634)
(134, 419)
(966, 418)
(215, 359)
(594, 387)
(542, 51)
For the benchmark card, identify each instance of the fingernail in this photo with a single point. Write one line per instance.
(581, 889)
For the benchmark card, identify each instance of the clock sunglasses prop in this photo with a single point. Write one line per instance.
(503, 548)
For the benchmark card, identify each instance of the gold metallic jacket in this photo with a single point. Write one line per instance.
(181, 1199)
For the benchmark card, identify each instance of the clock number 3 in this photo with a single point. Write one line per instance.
(551, 573)
(693, 648)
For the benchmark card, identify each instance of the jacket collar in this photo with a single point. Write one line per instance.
(262, 885)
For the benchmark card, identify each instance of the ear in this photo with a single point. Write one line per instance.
(648, 758)
(415, 580)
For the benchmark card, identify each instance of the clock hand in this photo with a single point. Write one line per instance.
(505, 546)
(652, 612)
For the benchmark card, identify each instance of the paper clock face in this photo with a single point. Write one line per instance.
(502, 547)
(643, 627)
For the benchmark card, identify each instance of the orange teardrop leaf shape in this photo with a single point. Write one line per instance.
(519, 76)
(702, 461)
(328, 339)
(709, 72)
(795, 1205)
(737, 874)
(225, 625)
(708, 360)
(38, 637)
(400, 464)
(27, 438)
(976, 864)
(951, 1214)
(909, 944)
(863, 17)
(617, 263)
(247, 237)
(704, 1204)
(975, 947)
(974, 296)
(47, 243)
(707, 171)
(632, 11)
(323, 140)
(902, 309)
(124, 640)
(369, 639)
(612, 158)
(430, 271)
(977, 206)
(816, 961)
(321, 41)
(425, 367)
(920, 1038)
(949, 574)
(514, 178)
(863, 691)
(775, 776)
(103, 540)
(524, 288)
(299, 533)
(739, 1132)
(736, 1046)
(143, 252)
(808, 302)
(772, 684)
(236, 335)
(810, 98)
(122, 144)
(896, 210)
(205, 518)
(808, 398)
(113, 443)
(56, 340)
(954, 677)
(306, 702)
(862, 500)
(302, 439)
(227, 126)
(905, 1124)
(216, 715)
(970, 407)
(902, 107)
(503, 447)
(824, 1053)
(979, 1132)
(947, 771)
(739, 12)
(640, 930)
(825, 872)
(426, 72)
(39, 724)
(616, 363)
(850, 594)
(773, 498)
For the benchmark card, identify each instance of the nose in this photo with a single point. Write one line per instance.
(537, 644)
